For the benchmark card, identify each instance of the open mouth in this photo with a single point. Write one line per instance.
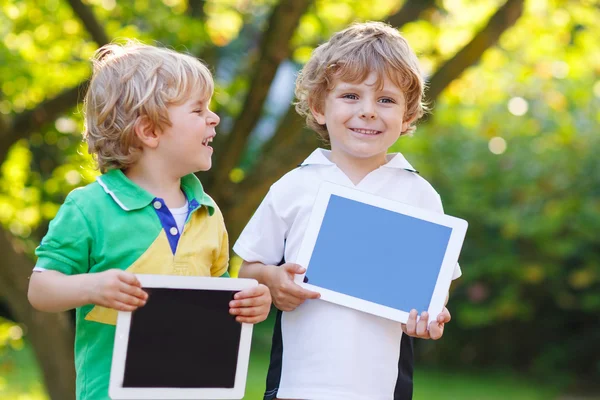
(371, 132)
(207, 141)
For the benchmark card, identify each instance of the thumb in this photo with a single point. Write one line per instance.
(294, 268)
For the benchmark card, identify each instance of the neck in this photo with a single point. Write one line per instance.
(356, 169)
(158, 182)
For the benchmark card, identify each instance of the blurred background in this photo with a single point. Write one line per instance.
(512, 146)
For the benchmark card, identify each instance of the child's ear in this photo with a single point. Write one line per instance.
(317, 113)
(405, 126)
(145, 132)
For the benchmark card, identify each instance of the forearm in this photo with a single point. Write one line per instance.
(259, 271)
(53, 291)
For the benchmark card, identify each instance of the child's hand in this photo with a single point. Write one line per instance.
(116, 289)
(287, 295)
(251, 305)
(420, 330)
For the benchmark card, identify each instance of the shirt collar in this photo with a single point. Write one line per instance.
(130, 196)
(394, 160)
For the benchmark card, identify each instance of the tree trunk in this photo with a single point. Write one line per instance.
(275, 48)
(50, 334)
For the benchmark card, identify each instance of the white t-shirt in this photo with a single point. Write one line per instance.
(180, 215)
(331, 352)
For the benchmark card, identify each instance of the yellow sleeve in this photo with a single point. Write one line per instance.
(221, 262)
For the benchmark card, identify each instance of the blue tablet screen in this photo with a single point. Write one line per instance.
(378, 255)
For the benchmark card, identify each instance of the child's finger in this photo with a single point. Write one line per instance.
(300, 293)
(134, 291)
(309, 294)
(444, 316)
(247, 312)
(422, 325)
(256, 291)
(129, 300)
(248, 302)
(436, 330)
(411, 324)
(119, 306)
(129, 278)
(293, 268)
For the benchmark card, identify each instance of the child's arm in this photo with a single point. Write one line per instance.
(287, 295)
(421, 330)
(54, 291)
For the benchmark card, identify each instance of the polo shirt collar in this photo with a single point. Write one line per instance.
(397, 160)
(394, 160)
(130, 196)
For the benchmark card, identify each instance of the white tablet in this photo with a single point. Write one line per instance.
(183, 344)
(377, 255)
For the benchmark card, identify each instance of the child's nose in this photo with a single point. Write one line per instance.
(214, 119)
(368, 114)
(368, 110)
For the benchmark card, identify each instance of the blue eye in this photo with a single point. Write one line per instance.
(387, 100)
(350, 96)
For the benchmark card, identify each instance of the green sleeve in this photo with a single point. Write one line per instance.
(225, 275)
(67, 245)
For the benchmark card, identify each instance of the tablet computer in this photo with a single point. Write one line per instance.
(183, 344)
(377, 255)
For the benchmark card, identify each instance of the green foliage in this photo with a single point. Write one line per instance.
(511, 146)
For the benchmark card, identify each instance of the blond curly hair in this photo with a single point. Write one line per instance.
(350, 56)
(132, 81)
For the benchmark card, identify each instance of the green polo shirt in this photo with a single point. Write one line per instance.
(113, 223)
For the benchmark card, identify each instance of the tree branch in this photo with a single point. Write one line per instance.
(274, 49)
(86, 15)
(504, 18)
(196, 8)
(47, 111)
(25, 123)
(291, 143)
(410, 11)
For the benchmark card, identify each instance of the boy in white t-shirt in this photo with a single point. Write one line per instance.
(360, 91)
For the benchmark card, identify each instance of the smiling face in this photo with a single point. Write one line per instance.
(363, 119)
(186, 143)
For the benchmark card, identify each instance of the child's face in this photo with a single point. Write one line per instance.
(186, 143)
(362, 120)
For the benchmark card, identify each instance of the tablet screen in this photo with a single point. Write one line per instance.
(378, 255)
(183, 338)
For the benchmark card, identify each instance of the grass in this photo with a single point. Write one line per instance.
(20, 378)
(482, 385)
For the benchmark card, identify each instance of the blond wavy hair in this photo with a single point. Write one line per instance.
(350, 56)
(130, 82)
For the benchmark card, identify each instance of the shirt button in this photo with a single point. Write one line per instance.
(173, 231)
(157, 204)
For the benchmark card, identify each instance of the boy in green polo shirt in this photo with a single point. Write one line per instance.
(148, 124)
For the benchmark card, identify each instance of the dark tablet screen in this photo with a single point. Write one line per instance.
(183, 338)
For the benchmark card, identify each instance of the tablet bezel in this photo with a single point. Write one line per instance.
(436, 305)
(116, 389)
